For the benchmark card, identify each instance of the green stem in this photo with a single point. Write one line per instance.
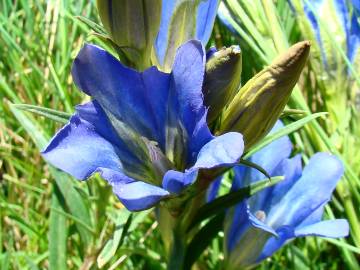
(177, 251)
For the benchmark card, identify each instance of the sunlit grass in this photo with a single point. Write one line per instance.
(47, 219)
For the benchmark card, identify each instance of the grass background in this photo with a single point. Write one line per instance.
(49, 220)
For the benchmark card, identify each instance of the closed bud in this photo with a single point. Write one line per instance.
(132, 26)
(259, 103)
(222, 80)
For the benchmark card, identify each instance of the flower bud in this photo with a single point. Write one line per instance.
(222, 80)
(133, 26)
(259, 103)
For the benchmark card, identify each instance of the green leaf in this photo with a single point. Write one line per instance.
(292, 112)
(92, 25)
(203, 239)
(255, 166)
(62, 117)
(126, 229)
(220, 204)
(111, 246)
(283, 132)
(57, 234)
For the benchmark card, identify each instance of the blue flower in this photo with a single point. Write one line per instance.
(260, 225)
(144, 132)
(180, 22)
(344, 28)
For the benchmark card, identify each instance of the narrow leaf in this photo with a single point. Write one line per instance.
(57, 234)
(58, 116)
(203, 239)
(283, 132)
(111, 246)
(92, 25)
(255, 166)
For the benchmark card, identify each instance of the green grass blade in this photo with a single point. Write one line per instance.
(57, 235)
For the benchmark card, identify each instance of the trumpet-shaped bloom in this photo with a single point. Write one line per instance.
(180, 22)
(293, 208)
(144, 132)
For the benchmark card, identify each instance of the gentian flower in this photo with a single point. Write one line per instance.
(262, 224)
(144, 132)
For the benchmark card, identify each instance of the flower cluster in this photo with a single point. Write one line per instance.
(293, 208)
(161, 134)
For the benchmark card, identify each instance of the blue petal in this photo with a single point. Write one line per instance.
(271, 155)
(224, 150)
(186, 112)
(95, 115)
(135, 195)
(310, 192)
(205, 19)
(354, 38)
(79, 150)
(175, 181)
(356, 4)
(126, 93)
(172, 16)
(317, 5)
(213, 190)
(165, 108)
(328, 228)
(210, 52)
(343, 14)
(239, 221)
(291, 169)
(284, 234)
(134, 162)
(268, 158)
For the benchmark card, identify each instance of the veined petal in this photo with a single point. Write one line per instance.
(224, 150)
(178, 25)
(291, 169)
(310, 192)
(79, 150)
(205, 19)
(135, 195)
(284, 234)
(328, 228)
(186, 129)
(124, 92)
(175, 181)
(268, 158)
(165, 108)
(136, 160)
(95, 115)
